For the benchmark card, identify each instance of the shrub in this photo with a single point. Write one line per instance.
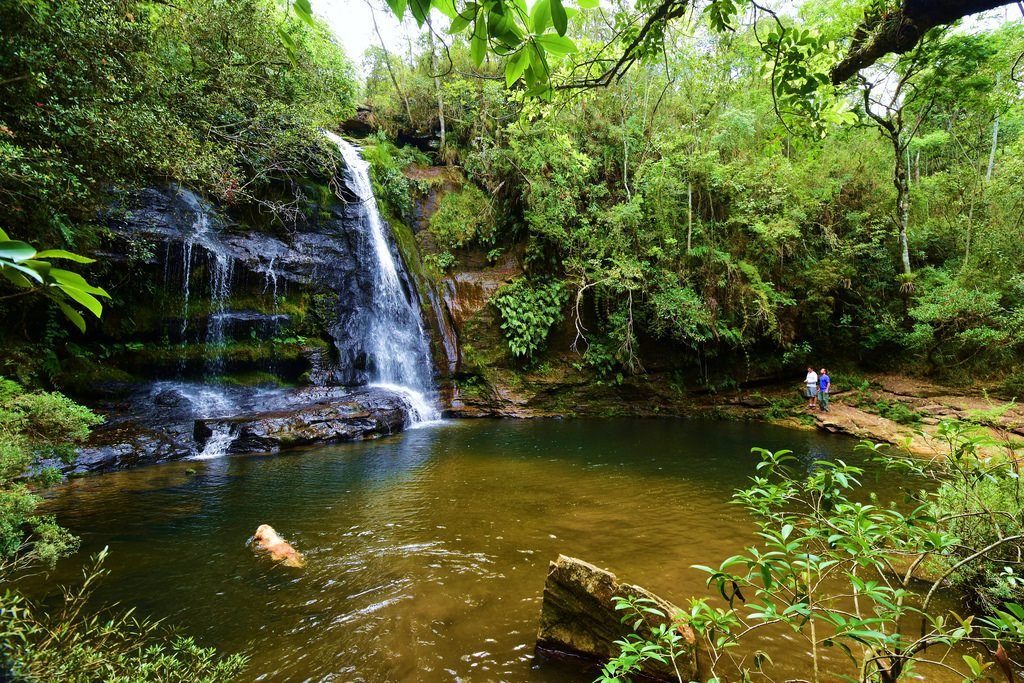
(463, 218)
(76, 644)
(983, 505)
(896, 411)
(528, 311)
(825, 565)
(34, 426)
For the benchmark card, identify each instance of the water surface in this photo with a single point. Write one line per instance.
(426, 552)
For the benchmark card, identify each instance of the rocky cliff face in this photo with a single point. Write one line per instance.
(224, 297)
(225, 324)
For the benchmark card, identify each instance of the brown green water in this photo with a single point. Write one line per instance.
(426, 552)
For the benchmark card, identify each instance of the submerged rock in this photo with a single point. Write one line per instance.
(578, 617)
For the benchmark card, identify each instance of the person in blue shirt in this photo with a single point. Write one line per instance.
(824, 384)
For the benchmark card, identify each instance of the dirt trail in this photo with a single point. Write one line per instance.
(866, 413)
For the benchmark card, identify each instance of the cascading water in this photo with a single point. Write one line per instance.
(220, 292)
(397, 345)
(200, 227)
(232, 295)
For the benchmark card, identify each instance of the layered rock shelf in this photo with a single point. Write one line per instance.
(166, 421)
(332, 417)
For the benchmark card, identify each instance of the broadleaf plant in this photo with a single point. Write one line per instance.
(30, 270)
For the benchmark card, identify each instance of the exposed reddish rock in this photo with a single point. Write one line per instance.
(466, 293)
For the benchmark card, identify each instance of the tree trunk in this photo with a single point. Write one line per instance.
(387, 63)
(625, 145)
(437, 80)
(995, 142)
(689, 215)
(901, 181)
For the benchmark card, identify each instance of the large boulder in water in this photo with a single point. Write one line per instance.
(329, 416)
(578, 617)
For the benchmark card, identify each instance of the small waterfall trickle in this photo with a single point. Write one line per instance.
(270, 280)
(397, 344)
(219, 269)
(220, 293)
(217, 444)
(200, 227)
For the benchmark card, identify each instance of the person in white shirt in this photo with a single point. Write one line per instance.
(812, 388)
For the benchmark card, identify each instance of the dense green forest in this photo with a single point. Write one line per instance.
(678, 206)
(689, 205)
(724, 191)
(224, 98)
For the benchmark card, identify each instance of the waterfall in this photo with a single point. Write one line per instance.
(219, 266)
(220, 293)
(397, 345)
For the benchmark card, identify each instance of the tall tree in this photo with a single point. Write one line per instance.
(887, 99)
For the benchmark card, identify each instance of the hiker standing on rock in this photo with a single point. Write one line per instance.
(811, 382)
(824, 384)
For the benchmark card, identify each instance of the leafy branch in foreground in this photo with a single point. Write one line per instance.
(76, 645)
(846, 573)
(31, 271)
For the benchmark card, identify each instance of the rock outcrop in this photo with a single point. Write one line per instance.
(358, 414)
(171, 420)
(578, 617)
(298, 303)
(857, 413)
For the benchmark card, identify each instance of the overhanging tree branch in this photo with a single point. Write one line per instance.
(900, 31)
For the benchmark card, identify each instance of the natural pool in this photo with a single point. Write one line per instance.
(427, 551)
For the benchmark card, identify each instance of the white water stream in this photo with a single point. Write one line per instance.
(398, 346)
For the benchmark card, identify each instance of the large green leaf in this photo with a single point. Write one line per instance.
(304, 11)
(85, 300)
(537, 65)
(288, 42)
(68, 279)
(41, 267)
(398, 7)
(559, 19)
(15, 278)
(515, 67)
(60, 253)
(15, 250)
(459, 23)
(540, 16)
(420, 10)
(446, 7)
(556, 45)
(478, 44)
(72, 315)
(27, 270)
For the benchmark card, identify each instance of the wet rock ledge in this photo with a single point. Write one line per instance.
(164, 421)
(360, 414)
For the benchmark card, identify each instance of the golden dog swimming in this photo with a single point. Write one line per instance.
(280, 550)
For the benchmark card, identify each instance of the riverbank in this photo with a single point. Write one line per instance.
(891, 409)
(883, 408)
(907, 411)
